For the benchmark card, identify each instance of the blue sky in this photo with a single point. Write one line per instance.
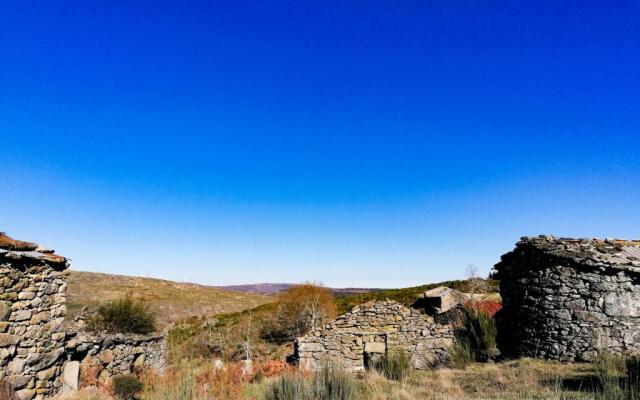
(354, 143)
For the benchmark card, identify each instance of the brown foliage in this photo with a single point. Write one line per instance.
(299, 310)
(274, 368)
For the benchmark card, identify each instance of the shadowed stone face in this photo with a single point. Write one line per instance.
(569, 299)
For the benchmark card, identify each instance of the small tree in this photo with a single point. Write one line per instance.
(301, 309)
(475, 283)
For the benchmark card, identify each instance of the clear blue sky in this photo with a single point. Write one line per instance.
(357, 143)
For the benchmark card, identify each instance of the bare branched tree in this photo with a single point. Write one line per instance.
(246, 343)
(475, 283)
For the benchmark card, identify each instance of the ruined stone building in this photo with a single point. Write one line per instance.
(39, 353)
(31, 316)
(570, 299)
(372, 329)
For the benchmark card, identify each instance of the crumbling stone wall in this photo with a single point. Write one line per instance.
(569, 299)
(97, 358)
(32, 309)
(39, 354)
(372, 329)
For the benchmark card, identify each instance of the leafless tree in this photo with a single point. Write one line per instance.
(246, 343)
(475, 283)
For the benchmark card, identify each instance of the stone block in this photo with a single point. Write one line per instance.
(7, 339)
(5, 310)
(70, 376)
(40, 317)
(47, 374)
(374, 347)
(26, 295)
(16, 367)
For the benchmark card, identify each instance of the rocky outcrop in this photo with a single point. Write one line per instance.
(569, 299)
(371, 329)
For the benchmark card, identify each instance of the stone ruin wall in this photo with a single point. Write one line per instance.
(32, 308)
(371, 329)
(39, 354)
(97, 358)
(566, 311)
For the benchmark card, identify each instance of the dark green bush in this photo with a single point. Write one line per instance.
(126, 386)
(461, 355)
(124, 316)
(394, 365)
(618, 377)
(633, 377)
(481, 332)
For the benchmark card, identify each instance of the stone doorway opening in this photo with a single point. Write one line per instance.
(375, 347)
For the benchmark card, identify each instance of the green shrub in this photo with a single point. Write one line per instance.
(481, 332)
(633, 377)
(461, 355)
(124, 316)
(288, 387)
(126, 386)
(330, 383)
(618, 377)
(394, 365)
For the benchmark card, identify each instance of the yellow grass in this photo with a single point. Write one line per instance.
(171, 301)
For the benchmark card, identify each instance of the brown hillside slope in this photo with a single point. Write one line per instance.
(170, 301)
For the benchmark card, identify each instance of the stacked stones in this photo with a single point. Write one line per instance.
(39, 355)
(371, 329)
(99, 357)
(569, 299)
(32, 311)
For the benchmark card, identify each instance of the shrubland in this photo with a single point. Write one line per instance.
(263, 334)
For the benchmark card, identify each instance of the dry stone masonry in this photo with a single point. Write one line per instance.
(39, 354)
(32, 309)
(570, 299)
(100, 357)
(371, 329)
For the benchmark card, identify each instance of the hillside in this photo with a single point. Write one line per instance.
(274, 288)
(406, 296)
(170, 300)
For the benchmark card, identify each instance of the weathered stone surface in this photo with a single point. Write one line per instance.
(375, 347)
(70, 376)
(26, 394)
(5, 310)
(374, 328)
(47, 374)
(569, 299)
(7, 339)
(34, 343)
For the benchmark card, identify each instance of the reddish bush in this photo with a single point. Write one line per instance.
(221, 383)
(487, 306)
(273, 368)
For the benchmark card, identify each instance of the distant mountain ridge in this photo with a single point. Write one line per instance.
(275, 288)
